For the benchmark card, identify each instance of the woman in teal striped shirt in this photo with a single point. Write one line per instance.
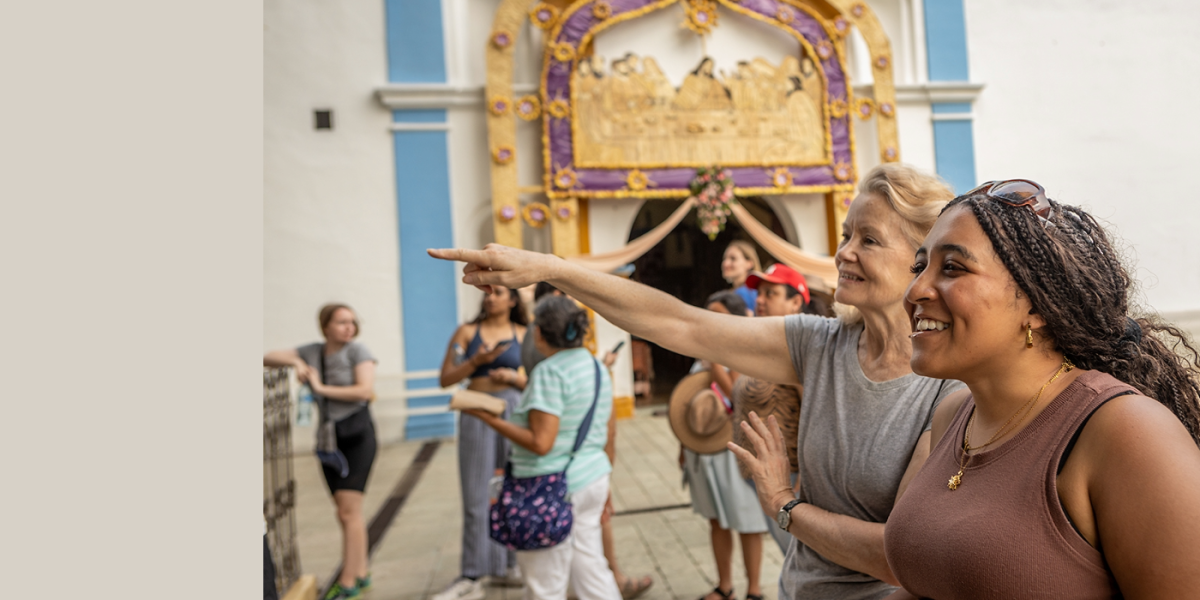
(543, 429)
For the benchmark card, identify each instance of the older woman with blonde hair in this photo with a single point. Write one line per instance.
(864, 424)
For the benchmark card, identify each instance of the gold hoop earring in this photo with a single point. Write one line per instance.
(1028, 335)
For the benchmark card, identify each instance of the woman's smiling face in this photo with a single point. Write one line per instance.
(967, 314)
(874, 255)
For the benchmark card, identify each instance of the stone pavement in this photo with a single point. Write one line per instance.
(418, 556)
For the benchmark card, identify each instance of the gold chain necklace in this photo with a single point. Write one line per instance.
(1008, 426)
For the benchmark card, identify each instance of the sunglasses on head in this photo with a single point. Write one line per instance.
(1017, 193)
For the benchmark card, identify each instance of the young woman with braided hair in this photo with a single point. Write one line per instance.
(1070, 470)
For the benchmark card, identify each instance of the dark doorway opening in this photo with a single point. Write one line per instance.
(686, 265)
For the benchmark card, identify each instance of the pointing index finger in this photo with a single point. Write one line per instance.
(478, 257)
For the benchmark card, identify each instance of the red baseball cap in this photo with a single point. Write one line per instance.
(780, 273)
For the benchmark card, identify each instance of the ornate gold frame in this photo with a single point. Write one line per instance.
(566, 235)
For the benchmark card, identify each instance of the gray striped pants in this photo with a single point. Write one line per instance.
(480, 452)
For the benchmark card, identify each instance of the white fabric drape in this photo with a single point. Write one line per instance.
(811, 265)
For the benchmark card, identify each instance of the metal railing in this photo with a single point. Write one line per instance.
(279, 483)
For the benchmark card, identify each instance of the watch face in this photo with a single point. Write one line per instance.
(783, 519)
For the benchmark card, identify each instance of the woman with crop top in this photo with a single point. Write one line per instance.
(1071, 470)
(488, 352)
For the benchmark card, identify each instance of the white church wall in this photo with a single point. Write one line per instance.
(1091, 102)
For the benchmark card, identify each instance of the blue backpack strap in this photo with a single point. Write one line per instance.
(587, 419)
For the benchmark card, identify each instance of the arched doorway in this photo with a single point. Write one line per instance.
(686, 265)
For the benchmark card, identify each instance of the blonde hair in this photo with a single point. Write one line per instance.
(918, 197)
(747, 249)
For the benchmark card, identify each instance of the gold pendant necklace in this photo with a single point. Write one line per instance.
(1024, 411)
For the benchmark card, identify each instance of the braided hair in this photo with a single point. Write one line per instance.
(1074, 278)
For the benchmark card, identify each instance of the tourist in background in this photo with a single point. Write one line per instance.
(719, 493)
(486, 350)
(781, 292)
(739, 261)
(543, 428)
(341, 374)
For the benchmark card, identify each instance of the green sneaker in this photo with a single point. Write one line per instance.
(363, 583)
(337, 592)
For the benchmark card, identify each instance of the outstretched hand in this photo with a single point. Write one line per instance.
(500, 265)
(768, 465)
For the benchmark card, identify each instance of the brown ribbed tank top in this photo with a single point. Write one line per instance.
(1003, 533)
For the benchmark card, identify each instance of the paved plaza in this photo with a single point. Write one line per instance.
(418, 554)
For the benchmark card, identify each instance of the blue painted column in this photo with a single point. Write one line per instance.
(946, 47)
(416, 54)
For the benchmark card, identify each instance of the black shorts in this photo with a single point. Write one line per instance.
(356, 439)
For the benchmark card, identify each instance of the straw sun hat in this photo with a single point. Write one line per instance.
(698, 416)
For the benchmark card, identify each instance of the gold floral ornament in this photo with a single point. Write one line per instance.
(637, 180)
(559, 109)
(782, 177)
(536, 214)
(858, 9)
(543, 15)
(565, 179)
(824, 49)
(864, 108)
(498, 106)
(564, 213)
(842, 172)
(506, 213)
(529, 107)
(837, 108)
(503, 154)
(890, 154)
(564, 52)
(601, 10)
(785, 14)
(841, 26)
(887, 109)
(882, 62)
(701, 16)
(502, 40)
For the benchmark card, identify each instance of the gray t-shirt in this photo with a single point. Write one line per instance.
(339, 370)
(856, 438)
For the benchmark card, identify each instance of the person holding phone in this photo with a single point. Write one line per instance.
(486, 350)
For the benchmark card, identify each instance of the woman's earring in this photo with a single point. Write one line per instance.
(1028, 335)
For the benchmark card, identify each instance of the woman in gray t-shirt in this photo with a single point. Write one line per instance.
(341, 373)
(865, 417)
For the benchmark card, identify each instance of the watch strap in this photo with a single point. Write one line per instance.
(787, 510)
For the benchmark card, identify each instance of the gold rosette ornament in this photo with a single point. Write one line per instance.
(564, 52)
(858, 9)
(543, 15)
(601, 10)
(498, 106)
(864, 108)
(785, 14)
(565, 179)
(503, 154)
(887, 109)
(782, 177)
(701, 16)
(890, 154)
(824, 49)
(559, 109)
(637, 180)
(882, 61)
(842, 172)
(529, 107)
(837, 108)
(502, 40)
(536, 214)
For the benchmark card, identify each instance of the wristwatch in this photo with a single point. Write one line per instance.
(784, 517)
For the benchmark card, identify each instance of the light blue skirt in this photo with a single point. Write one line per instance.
(719, 492)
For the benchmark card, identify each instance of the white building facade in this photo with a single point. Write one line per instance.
(376, 148)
